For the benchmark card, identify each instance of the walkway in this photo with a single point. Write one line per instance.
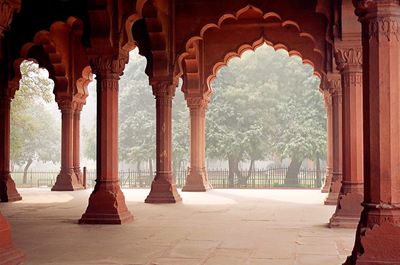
(268, 227)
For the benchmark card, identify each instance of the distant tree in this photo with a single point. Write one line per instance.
(35, 134)
(137, 133)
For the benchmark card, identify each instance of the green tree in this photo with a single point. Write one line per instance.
(265, 104)
(35, 135)
(137, 134)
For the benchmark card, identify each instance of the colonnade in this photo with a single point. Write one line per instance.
(362, 101)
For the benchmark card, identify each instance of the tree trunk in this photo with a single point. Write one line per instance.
(318, 180)
(231, 177)
(292, 173)
(25, 177)
(243, 180)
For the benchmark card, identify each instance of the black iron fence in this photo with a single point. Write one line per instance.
(219, 179)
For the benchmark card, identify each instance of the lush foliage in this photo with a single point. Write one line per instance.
(35, 134)
(266, 104)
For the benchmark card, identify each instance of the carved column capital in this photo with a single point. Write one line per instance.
(349, 59)
(108, 67)
(164, 89)
(334, 85)
(65, 105)
(197, 102)
(7, 10)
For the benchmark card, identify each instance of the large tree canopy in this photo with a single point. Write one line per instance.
(265, 103)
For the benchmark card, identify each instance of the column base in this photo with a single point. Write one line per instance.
(327, 184)
(79, 174)
(163, 190)
(196, 181)
(107, 205)
(377, 239)
(67, 181)
(8, 190)
(348, 211)
(334, 191)
(332, 199)
(9, 255)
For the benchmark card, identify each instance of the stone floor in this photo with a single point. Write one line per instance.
(219, 227)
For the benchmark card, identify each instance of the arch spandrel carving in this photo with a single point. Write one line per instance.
(304, 12)
(221, 42)
(62, 54)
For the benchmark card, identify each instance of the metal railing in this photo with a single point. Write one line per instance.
(219, 178)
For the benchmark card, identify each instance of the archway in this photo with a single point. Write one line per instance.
(266, 104)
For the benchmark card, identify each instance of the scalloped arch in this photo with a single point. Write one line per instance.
(290, 25)
(147, 11)
(43, 51)
(252, 47)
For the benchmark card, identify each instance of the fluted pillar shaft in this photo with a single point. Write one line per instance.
(8, 191)
(107, 202)
(163, 187)
(337, 141)
(329, 141)
(67, 180)
(378, 233)
(197, 179)
(77, 143)
(348, 210)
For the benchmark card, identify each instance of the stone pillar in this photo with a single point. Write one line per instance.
(329, 140)
(9, 255)
(8, 191)
(77, 143)
(107, 202)
(347, 214)
(197, 179)
(163, 188)
(337, 141)
(67, 180)
(378, 234)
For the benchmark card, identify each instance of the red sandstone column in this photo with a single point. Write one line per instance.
(163, 188)
(378, 233)
(9, 255)
(351, 195)
(197, 179)
(107, 202)
(337, 126)
(8, 191)
(67, 180)
(329, 140)
(77, 143)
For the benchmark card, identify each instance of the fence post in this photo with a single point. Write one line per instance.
(84, 178)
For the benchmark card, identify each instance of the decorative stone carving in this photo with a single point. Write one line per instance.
(348, 58)
(108, 67)
(197, 102)
(386, 27)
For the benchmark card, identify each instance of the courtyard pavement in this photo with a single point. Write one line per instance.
(235, 227)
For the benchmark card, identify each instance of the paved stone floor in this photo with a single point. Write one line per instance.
(268, 227)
